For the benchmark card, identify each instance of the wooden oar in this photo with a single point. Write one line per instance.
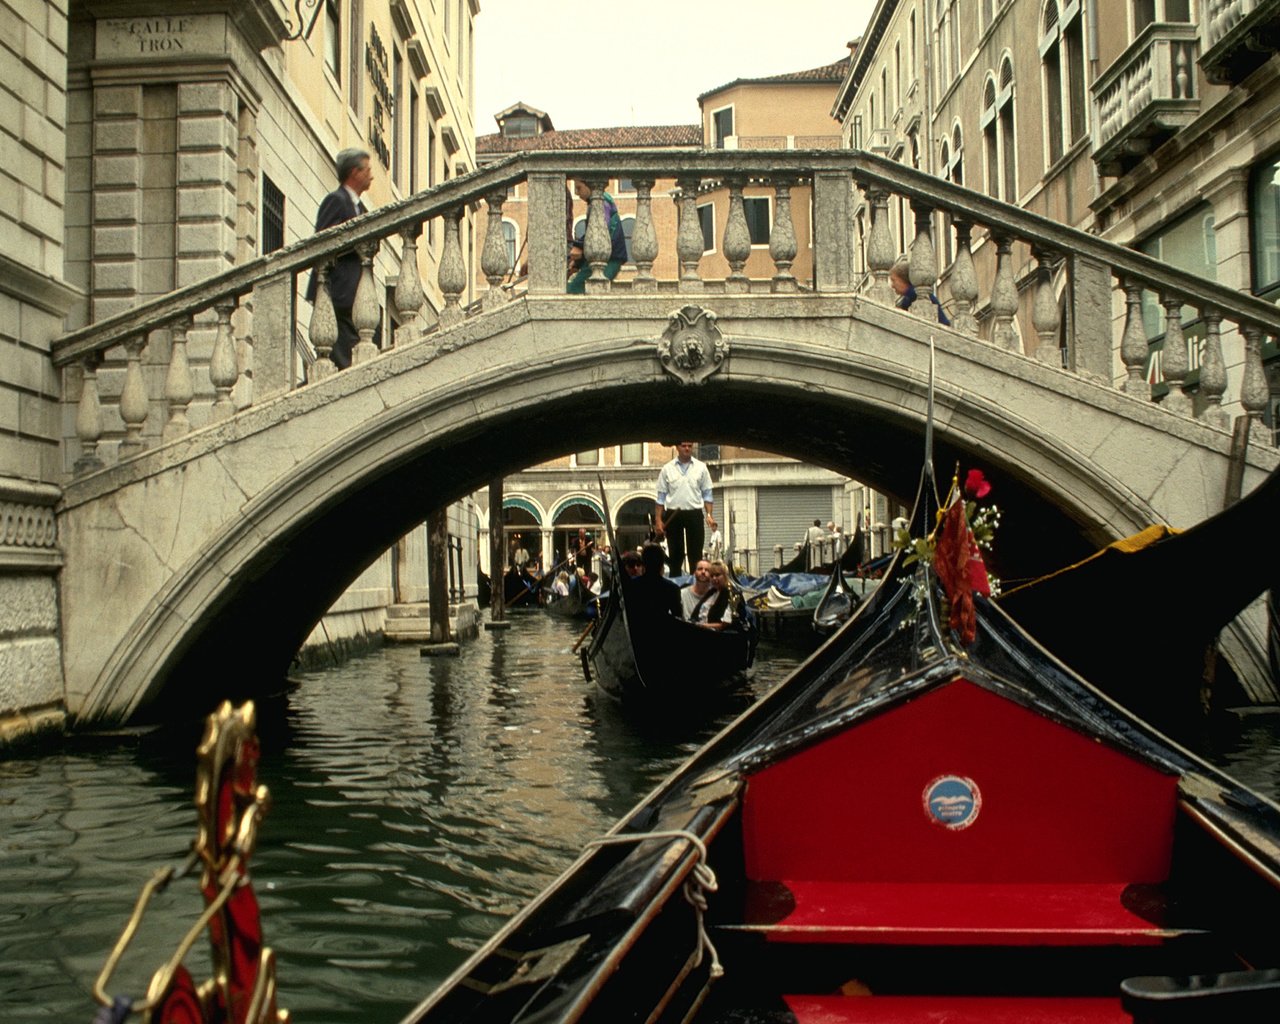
(578, 643)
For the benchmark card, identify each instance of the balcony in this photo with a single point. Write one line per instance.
(1238, 36)
(1145, 96)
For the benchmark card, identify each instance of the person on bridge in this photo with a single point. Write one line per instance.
(684, 500)
(900, 279)
(354, 178)
(578, 267)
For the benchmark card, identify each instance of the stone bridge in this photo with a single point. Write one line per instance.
(198, 562)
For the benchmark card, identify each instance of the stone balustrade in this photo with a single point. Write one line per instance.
(1146, 94)
(263, 289)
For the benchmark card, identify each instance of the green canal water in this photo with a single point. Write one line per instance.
(417, 803)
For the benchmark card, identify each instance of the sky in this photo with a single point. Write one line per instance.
(598, 65)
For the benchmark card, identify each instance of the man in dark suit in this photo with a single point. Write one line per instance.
(343, 203)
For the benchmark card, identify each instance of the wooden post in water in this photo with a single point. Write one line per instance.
(438, 584)
(497, 559)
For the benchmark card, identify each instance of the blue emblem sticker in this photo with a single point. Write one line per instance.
(952, 801)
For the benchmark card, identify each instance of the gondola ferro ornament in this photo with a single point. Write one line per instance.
(230, 805)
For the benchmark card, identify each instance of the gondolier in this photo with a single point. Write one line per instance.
(684, 501)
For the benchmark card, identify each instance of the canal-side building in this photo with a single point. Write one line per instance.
(1152, 123)
(148, 147)
(763, 502)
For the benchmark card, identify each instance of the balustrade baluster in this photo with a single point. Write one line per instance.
(242, 392)
(1254, 392)
(1173, 359)
(323, 330)
(880, 253)
(493, 257)
(89, 415)
(1044, 311)
(964, 282)
(737, 240)
(644, 239)
(409, 295)
(689, 237)
(922, 264)
(597, 243)
(178, 388)
(453, 271)
(366, 310)
(1213, 373)
(1134, 349)
(1004, 298)
(133, 397)
(224, 368)
(782, 239)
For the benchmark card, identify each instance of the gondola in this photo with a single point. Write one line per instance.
(577, 604)
(932, 819)
(656, 664)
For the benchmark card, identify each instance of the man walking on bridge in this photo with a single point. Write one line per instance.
(684, 500)
(343, 203)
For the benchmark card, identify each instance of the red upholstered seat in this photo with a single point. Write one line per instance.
(1053, 829)
(954, 1010)
(957, 913)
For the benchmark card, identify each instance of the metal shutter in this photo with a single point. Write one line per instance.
(783, 514)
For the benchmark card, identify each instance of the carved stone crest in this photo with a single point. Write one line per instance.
(692, 347)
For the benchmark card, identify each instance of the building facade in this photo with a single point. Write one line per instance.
(1150, 122)
(154, 145)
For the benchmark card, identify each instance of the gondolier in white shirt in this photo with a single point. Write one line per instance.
(684, 503)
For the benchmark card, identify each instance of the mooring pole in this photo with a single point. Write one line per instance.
(438, 574)
(497, 558)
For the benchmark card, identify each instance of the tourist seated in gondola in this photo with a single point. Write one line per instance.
(715, 609)
(651, 593)
(561, 585)
(693, 596)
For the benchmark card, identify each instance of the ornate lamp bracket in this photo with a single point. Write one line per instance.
(692, 347)
(304, 27)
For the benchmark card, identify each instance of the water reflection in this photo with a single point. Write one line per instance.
(416, 804)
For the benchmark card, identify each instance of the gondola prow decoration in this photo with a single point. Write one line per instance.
(230, 806)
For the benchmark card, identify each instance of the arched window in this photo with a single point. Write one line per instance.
(1062, 58)
(1004, 101)
(990, 138)
(952, 165)
(628, 226)
(509, 238)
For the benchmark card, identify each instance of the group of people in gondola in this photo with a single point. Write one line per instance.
(708, 601)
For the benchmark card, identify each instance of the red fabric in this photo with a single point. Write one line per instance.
(963, 914)
(180, 1004)
(1057, 806)
(955, 1010)
(952, 561)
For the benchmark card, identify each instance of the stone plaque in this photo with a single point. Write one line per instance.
(163, 36)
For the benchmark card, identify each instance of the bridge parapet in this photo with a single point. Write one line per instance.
(1098, 273)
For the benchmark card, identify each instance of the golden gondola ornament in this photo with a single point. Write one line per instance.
(230, 806)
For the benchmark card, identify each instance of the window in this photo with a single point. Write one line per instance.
(721, 126)
(413, 137)
(707, 221)
(272, 216)
(758, 218)
(509, 242)
(588, 458)
(1264, 222)
(520, 126)
(952, 163)
(1189, 244)
(333, 39)
(431, 179)
(355, 39)
(1145, 12)
(631, 454)
(624, 185)
(998, 134)
(628, 227)
(1062, 58)
(397, 117)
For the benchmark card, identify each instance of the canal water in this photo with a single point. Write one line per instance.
(417, 803)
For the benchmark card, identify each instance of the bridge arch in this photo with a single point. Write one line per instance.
(271, 516)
